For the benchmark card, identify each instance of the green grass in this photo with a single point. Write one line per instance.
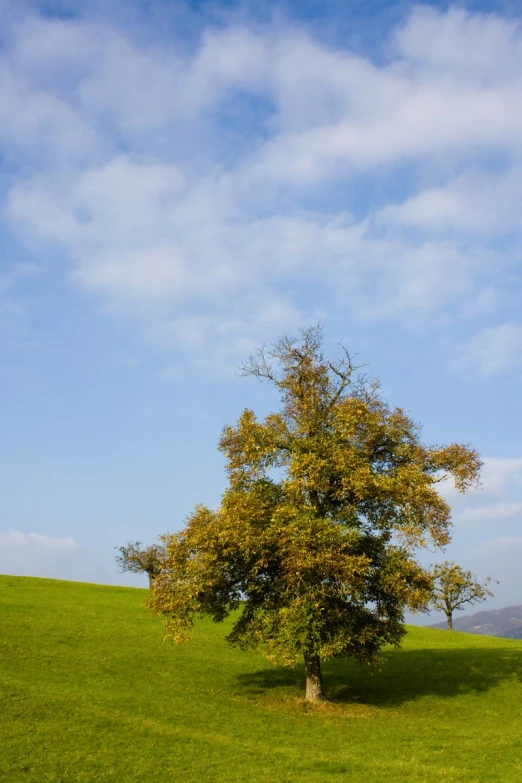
(90, 693)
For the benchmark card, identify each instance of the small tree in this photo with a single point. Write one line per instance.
(315, 537)
(137, 558)
(453, 587)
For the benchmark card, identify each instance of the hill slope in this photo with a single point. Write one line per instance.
(90, 693)
(493, 622)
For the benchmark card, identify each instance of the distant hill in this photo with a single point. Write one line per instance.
(495, 622)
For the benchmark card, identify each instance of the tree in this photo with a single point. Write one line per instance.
(137, 558)
(453, 587)
(315, 537)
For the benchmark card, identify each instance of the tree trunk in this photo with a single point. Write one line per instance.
(314, 680)
(151, 580)
(449, 617)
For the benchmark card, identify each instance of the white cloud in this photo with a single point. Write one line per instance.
(500, 472)
(235, 334)
(491, 512)
(475, 203)
(493, 349)
(15, 541)
(461, 42)
(497, 500)
(33, 554)
(55, 557)
(191, 187)
(428, 100)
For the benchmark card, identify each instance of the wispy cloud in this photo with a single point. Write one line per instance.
(493, 349)
(491, 512)
(497, 499)
(55, 557)
(500, 472)
(204, 189)
(13, 542)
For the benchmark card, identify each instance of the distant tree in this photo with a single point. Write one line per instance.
(453, 588)
(315, 538)
(137, 558)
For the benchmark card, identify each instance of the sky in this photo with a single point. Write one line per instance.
(180, 183)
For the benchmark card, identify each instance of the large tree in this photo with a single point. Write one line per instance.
(314, 542)
(453, 588)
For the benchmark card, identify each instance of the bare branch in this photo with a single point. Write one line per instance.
(258, 365)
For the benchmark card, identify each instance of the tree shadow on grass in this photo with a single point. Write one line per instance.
(406, 675)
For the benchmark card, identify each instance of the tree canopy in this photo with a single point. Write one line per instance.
(453, 588)
(327, 501)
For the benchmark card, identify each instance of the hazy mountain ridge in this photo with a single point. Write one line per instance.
(505, 622)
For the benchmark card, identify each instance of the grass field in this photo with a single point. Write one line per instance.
(90, 693)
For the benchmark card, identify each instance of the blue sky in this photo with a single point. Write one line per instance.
(180, 183)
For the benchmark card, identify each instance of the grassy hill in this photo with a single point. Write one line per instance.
(90, 693)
